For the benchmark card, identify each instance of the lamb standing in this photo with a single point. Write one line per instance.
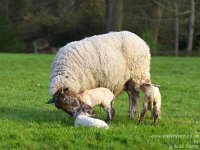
(98, 96)
(152, 101)
(117, 61)
(90, 98)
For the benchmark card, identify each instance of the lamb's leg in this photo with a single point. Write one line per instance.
(145, 106)
(150, 108)
(112, 109)
(156, 112)
(108, 115)
(110, 112)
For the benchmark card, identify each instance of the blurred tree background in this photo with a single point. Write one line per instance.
(170, 27)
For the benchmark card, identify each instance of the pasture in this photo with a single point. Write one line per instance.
(26, 122)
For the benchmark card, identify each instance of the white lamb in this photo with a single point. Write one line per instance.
(82, 120)
(98, 96)
(152, 101)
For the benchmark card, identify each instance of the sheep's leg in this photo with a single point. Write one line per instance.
(145, 107)
(133, 102)
(133, 98)
(131, 115)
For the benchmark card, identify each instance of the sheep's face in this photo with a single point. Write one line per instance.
(66, 101)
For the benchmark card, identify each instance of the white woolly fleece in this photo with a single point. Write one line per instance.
(98, 96)
(107, 60)
(85, 121)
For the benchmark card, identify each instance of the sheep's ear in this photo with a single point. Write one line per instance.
(63, 91)
(66, 89)
(51, 101)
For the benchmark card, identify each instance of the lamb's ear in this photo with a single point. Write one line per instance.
(51, 101)
(144, 85)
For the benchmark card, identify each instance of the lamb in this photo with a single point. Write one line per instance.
(83, 118)
(86, 121)
(117, 61)
(152, 101)
(98, 96)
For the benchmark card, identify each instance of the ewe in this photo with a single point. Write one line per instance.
(117, 61)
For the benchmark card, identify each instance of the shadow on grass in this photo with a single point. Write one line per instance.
(35, 115)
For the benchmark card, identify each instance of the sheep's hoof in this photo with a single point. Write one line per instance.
(132, 115)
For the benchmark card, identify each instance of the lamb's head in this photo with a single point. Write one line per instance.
(145, 86)
(85, 110)
(66, 101)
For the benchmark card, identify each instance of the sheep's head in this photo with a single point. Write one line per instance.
(66, 101)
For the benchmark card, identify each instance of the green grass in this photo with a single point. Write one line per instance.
(26, 122)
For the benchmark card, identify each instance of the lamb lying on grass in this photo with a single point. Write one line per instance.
(82, 120)
(152, 101)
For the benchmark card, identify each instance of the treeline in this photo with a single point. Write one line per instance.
(170, 27)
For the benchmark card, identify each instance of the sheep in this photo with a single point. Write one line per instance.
(152, 101)
(116, 60)
(82, 120)
(98, 96)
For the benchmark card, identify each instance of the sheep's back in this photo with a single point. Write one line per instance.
(89, 63)
(107, 60)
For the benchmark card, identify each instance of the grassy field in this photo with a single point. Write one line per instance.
(26, 122)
